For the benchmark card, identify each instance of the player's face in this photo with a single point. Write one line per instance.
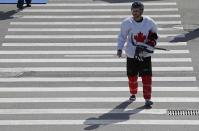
(137, 13)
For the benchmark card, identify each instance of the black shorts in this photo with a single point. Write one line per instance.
(139, 68)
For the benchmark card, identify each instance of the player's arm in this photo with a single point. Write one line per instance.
(122, 36)
(152, 35)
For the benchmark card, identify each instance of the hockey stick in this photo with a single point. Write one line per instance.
(158, 48)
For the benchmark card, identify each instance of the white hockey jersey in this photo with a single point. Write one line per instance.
(133, 33)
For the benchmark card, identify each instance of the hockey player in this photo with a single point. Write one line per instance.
(140, 32)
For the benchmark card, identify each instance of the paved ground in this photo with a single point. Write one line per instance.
(53, 79)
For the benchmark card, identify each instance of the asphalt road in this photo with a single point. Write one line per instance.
(53, 79)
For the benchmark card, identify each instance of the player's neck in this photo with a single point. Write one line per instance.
(138, 19)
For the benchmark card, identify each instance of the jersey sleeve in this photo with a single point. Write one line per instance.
(122, 36)
(154, 28)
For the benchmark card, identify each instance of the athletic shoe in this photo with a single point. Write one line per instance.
(20, 7)
(148, 103)
(132, 98)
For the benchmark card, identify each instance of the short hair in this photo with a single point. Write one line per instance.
(137, 4)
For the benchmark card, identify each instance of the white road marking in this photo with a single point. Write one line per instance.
(96, 69)
(90, 60)
(96, 10)
(81, 111)
(99, 122)
(89, 79)
(76, 36)
(87, 44)
(95, 99)
(105, 4)
(93, 52)
(87, 23)
(91, 89)
(80, 29)
(88, 16)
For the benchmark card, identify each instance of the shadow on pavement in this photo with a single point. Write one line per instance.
(7, 15)
(114, 117)
(187, 37)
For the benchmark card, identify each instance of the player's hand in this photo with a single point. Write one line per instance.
(119, 53)
(138, 51)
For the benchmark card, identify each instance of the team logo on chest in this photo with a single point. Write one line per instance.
(140, 37)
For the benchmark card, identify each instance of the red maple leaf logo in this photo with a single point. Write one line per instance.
(140, 37)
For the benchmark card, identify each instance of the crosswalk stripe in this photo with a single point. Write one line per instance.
(77, 36)
(89, 79)
(89, 16)
(171, 29)
(93, 52)
(171, 51)
(99, 122)
(86, 23)
(96, 10)
(82, 29)
(96, 69)
(81, 111)
(106, 4)
(104, 56)
(90, 60)
(95, 99)
(86, 44)
(86, 89)
(63, 29)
